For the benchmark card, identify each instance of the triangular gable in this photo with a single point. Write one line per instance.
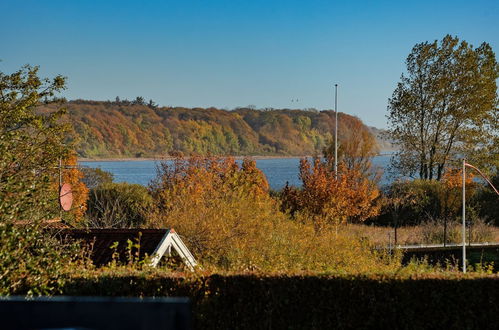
(153, 242)
(172, 239)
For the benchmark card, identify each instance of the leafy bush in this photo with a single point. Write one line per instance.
(96, 177)
(119, 205)
(230, 222)
(488, 201)
(409, 203)
(329, 199)
(31, 261)
(32, 142)
(222, 209)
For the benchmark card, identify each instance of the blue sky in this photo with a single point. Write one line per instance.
(235, 53)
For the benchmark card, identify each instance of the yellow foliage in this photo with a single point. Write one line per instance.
(226, 216)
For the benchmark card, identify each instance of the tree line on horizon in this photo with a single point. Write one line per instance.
(140, 129)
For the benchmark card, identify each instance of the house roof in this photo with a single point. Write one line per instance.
(99, 242)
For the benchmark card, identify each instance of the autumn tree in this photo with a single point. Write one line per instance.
(445, 107)
(450, 195)
(396, 198)
(356, 147)
(71, 174)
(223, 208)
(326, 199)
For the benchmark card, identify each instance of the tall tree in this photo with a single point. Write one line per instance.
(31, 143)
(445, 107)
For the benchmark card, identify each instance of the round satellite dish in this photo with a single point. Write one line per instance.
(66, 197)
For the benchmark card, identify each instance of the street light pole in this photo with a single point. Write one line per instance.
(464, 205)
(336, 131)
(464, 215)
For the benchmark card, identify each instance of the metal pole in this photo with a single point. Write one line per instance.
(60, 185)
(464, 215)
(336, 131)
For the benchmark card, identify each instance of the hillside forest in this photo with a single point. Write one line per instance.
(123, 129)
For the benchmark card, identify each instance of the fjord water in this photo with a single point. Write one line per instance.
(278, 170)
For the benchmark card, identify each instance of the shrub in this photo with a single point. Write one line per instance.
(119, 205)
(489, 201)
(31, 261)
(229, 220)
(95, 177)
(409, 203)
(330, 199)
(223, 210)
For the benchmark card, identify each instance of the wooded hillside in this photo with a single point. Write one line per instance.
(128, 129)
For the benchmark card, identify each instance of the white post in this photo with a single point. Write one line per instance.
(464, 215)
(336, 130)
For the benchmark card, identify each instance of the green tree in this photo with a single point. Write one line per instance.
(31, 144)
(444, 107)
(96, 177)
(118, 205)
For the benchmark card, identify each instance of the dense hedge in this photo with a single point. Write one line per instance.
(308, 302)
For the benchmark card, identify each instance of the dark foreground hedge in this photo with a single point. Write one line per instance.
(308, 302)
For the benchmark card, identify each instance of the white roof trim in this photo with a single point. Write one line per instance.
(171, 239)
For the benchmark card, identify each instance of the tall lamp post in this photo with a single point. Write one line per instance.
(464, 215)
(464, 204)
(336, 130)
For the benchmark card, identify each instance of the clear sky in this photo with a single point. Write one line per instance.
(235, 53)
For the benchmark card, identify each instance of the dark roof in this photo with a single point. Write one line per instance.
(99, 242)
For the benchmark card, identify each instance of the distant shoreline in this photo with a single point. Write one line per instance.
(159, 158)
(135, 159)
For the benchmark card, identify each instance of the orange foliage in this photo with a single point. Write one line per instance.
(228, 219)
(450, 192)
(328, 200)
(453, 178)
(214, 202)
(72, 175)
(203, 175)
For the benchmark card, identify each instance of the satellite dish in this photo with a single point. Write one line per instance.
(66, 197)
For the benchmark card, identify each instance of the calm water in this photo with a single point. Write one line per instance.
(278, 170)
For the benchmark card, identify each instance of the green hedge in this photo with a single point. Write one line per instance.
(307, 302)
